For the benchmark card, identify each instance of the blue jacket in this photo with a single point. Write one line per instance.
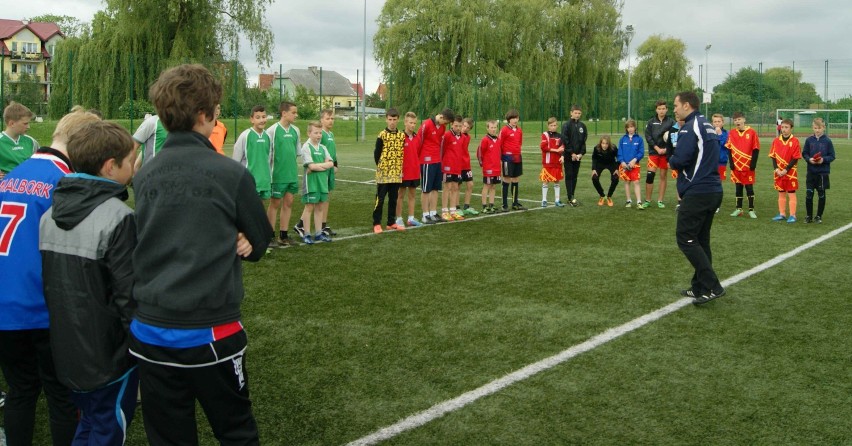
(630, 148)
(724, 152)
(697, 157)
(825, 147)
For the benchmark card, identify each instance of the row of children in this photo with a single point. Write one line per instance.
(97, 299)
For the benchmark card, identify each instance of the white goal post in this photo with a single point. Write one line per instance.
(839, 120)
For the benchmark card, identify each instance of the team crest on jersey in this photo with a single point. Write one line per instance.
(581, 130)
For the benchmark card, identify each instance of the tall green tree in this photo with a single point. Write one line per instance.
(663, 65)
(751, 91)
(484, 56)
(132, 41)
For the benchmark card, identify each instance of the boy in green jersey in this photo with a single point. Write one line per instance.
(15, 145)
(318, 163)
(327, 122)
(285, 176)
(253, 150)
(150, 136)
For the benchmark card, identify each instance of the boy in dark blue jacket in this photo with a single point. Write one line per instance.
(86, 240)
(697, 160)
(819, 153)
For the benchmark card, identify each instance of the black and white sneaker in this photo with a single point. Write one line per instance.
(300, 230)
(688, 293)
(328, 231)
(429, 220)
(2, 399)
(707, 297)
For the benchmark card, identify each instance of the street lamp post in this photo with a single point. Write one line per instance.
(629, 33)
(707, 75)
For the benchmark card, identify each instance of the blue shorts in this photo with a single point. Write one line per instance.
(430, 177)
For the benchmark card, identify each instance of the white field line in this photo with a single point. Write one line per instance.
(440, 409)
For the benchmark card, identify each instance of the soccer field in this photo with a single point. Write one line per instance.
(349, 337)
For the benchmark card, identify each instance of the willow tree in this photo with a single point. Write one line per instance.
(484, 56)
(132, 41)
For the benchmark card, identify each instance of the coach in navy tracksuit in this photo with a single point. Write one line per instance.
(697, 159)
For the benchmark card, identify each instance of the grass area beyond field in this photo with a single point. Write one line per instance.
(352, 336)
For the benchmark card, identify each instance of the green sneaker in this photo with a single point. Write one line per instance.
(661, 205)
(737, 212)
(470, 211)
(646, 204)
(751, 214)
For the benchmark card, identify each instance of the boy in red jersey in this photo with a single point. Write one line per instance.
(451, 146)
(551, 162)
(467, 173)
(511, 139)
(786, 153)
(429, 152)
(488, 155)
(744, 146)
(410, 172)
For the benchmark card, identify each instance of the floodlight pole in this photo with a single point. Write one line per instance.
(629, 33)
(707, 74)
(364, 86)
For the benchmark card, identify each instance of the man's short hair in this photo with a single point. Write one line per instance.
(576, 107)
(411, 115)
(314, 125)
(468, 121)
(630, 123)
(738, 115)
(689, 97)
(392, 113)
(95, 143)
(257, 108)
(552, 119)
(72, 123)
(818, 122)
(458, 119)
(512, 113)
(660, 102)
(717, 115)
(787, 121)
(285, 106)
(326, 112)
(448, 114)
(181, 93)
(16, 111)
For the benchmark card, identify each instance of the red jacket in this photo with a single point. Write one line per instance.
(429, 151)
(510, 143)
(465, 151)
(488, 154)
(451, 158)
(550, 141)
(410, 160)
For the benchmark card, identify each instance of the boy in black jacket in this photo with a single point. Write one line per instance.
(190, 205)
(574, 136)
(88, 280)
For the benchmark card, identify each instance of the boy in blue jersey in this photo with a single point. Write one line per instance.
(86, 240)
(190, 205)
(25, 353)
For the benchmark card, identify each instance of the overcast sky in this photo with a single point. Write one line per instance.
(330, 34)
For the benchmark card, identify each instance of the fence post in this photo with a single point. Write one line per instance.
(357, 104)
(234, 97)
(320, 92)
(132, 112)
(70, 80)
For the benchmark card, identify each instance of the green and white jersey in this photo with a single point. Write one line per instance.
(151, 135)
(328, 141)
(15, 151)
(314, 181)
(254, 151)
(285, 148)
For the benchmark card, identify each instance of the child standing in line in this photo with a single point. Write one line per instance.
(88, 281)
(410, 172)
(388, 155)
(552, 159)
(511, 140)
(467, 173)
(150, 136)
(819, 153)
(786, 153)
(286, 145)
(605, 157)
(327, 122)
(451, 159)
(253, 150)
(630, 152)
(724, 152)
(15, 145)
(745, 147)
(317, 162)
(488, 155)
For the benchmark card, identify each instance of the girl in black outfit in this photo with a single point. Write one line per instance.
(604, 157)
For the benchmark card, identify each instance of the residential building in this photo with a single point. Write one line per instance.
(336, 89)
(27, 48)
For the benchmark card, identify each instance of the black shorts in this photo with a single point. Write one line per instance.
(430, 177)
(512, 170)
(452, 178)
(491, 180)
(410, 183)
(467, 175)
(818, 181)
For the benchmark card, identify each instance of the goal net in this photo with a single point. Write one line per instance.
(838, 123)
